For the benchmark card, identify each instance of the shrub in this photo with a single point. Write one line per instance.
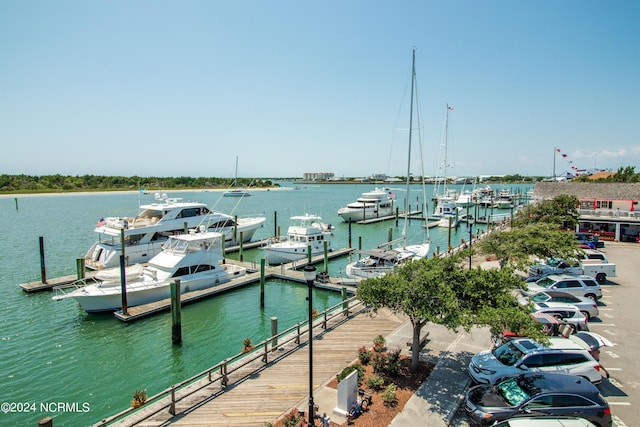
(375, 382)
(139, 398)
(393, 362)
(293, 419)
(378, 344)
(389, 395)
(379, 362)
(364, 355)
(346, 371)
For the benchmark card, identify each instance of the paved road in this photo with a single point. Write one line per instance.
(619, 307)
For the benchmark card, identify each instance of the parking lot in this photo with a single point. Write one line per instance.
(617, 321)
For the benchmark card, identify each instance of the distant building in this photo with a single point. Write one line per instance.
(608, 209)
(318, 176)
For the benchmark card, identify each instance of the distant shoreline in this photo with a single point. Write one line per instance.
(150, 193)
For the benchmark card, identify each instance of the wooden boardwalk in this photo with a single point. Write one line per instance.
(255, 398)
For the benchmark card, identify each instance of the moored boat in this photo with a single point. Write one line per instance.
(145, 233)
(304, 231)
(194, 258)
(371, 204)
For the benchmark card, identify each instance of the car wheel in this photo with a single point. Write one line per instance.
(601, 277)
(593, 297)
(586, 314)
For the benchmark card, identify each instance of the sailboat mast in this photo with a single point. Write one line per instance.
(413, 80)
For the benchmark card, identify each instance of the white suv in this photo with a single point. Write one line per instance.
(524, 355)
(579, 285)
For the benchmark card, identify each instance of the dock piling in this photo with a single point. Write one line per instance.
(274, 333)
(123, 285)
(80, 268)
(43, 268)
(262, 282)
(176, 321)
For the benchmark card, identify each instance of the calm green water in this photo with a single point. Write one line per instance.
(54, 353)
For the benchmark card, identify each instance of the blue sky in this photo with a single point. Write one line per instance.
(180, 88)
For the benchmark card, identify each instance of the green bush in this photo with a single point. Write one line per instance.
(378, 344)
(346, 371)
(364, 355)
(375, 382)
(389, 395)
(379, 362)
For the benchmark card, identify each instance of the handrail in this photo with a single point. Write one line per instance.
(221, 371)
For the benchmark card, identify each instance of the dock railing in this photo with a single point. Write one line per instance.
(219, 373)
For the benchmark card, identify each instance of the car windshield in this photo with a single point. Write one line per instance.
(545, 282)
(541, 297)
(511, 392)
(553, 262)
(508, 354)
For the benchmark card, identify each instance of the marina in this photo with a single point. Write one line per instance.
(100, 360)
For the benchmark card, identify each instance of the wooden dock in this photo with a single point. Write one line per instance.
(259, 392)
(412, 215)
(40, 286)
(284, 272)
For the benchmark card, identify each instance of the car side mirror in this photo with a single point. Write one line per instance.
(523, 367)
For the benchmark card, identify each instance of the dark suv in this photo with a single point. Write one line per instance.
(541, 394)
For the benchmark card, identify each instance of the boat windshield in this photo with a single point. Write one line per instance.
(512, 392)
(508, 354)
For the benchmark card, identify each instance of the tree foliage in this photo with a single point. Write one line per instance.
(441, 291)
(48, 183)
(561, 211)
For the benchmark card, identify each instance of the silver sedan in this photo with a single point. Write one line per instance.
(587, 306)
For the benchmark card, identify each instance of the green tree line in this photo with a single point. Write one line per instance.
(57, 183)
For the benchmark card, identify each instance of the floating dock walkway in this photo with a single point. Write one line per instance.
(284, 271)
(49, 284)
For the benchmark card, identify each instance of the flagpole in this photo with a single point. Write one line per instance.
(555, 149)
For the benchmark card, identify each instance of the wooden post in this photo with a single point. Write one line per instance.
(345, 305)
(16, 200)
(349, 233)
(185, 227)
(278, 235)
(449, 241)
(397, 216)
(176, 321)
(80, 268)
(43, 268)
(274, 332)
(262, 283)
(235, 229)
(359, 246)
(223, 242)
(275, 223)
(390, 234)
(326, 257)
(309, 254)
(123, 285)
(122, 245)
(241, 246)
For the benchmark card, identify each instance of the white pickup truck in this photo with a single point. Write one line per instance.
(593, 263)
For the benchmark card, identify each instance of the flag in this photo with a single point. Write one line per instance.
(392, 195)
(564, 155)
(558, 150)
(451, 108)
(101, 222)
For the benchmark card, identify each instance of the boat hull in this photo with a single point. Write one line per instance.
(110, 299)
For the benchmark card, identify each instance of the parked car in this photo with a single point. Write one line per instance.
(589, 241)
(540, 421)
(589, 262)
(587, 306)
(544, 394)
(579, 285)
(522, 355)
(565, 312)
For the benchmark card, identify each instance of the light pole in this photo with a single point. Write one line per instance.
(310, 277)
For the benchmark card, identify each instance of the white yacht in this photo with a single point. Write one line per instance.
(145, 233)
(371, 204)
(195, 258)
(504, 199)
(304, 231)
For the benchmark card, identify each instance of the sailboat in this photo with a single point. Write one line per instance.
(385, 258)
(236, 192)
(445, 203)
